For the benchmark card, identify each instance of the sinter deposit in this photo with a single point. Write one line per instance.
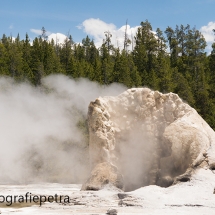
(143, 137)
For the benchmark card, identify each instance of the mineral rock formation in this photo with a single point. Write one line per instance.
(143, 137)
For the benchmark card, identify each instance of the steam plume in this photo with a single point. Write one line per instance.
(43, 133)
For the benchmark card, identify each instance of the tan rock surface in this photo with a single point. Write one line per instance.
(102, 174)
(149, 137)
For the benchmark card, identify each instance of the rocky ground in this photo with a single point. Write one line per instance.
(193, 197)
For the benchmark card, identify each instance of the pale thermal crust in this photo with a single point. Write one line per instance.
(144, 137)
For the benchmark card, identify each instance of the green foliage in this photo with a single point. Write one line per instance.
(4, 60)
(182, 87)
(175, 61)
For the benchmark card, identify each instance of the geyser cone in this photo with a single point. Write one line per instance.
(149, 137)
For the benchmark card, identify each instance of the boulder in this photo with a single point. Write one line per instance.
(102, 174)
(143, 137)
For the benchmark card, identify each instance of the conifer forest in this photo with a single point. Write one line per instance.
(171, 61)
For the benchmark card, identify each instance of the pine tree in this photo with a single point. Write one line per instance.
(212, 71)
(51, 61)
(173, 45)
(140, 57)
(97, 71)
(37, 66)
(134, 74)
(4, 59)
(182, 87)
(211, 82)
(163, 75)
(86, 45)
(43, 35)
(107, 61)
(15, 59)
(145, 51)
(65, 53)
(26, 67)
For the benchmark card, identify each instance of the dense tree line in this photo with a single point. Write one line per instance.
(174, 60)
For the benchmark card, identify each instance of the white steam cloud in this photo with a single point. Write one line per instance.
(43, 133)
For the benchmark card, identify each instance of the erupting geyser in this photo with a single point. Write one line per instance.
(143, 137)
